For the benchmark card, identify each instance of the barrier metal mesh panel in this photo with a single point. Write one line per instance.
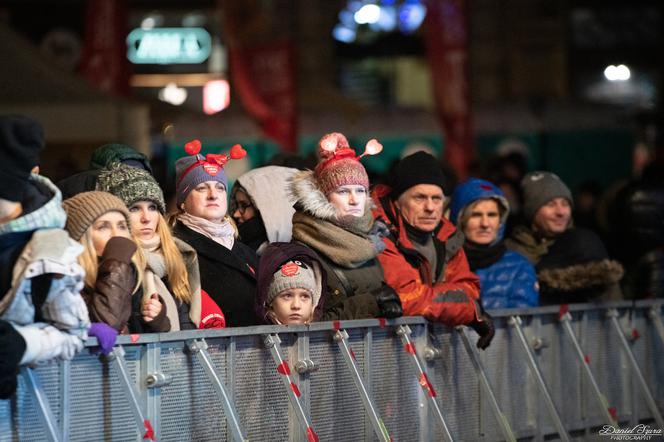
(609, 364)
(394, 386)
(336, 409)
(642, 349)
(512, 382)
(260, 398)
(28, 423)
(457, 387)
(5, 421)
(99, 409)
(190, 407)
(560, 368)
(656, 347)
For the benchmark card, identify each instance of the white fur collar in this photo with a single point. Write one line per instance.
(302, 188)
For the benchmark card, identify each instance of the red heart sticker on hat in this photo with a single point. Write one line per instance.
(193, 147)
(237, 152)
(290, 269)
(211, 169)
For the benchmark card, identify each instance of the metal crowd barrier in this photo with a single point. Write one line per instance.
(550, 373)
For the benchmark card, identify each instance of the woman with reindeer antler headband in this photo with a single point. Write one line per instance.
(227, 267)
(333, 217)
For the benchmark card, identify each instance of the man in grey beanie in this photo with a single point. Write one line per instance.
(547, 206)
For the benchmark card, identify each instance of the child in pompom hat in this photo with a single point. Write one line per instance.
(291, 281)
(333, 217)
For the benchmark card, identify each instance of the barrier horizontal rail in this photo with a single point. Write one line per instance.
(87, 400)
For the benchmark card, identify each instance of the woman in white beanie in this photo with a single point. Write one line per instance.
(113, 266)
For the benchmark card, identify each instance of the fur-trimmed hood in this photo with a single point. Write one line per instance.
(309, 197)
(595, 274)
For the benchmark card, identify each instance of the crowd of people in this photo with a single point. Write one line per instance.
(99, 254)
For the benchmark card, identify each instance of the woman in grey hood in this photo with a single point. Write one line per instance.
(262, 207)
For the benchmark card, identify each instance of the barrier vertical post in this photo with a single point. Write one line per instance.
(272, 342)
(142, 422)
(341, 338)
(653, 314)
(584, 360)
(403, 331)
(199, 348)
(612, 314)
(484, 381)
(65, 374)
(515, 322)
(41, 401)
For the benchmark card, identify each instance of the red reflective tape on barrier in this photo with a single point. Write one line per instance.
(295, 389)
(283, 368)
(614, 413)
(564, 308)
(134, 338)
(587, 359)
(635, 334)
(352, 353)
(424, 382)
(410, 348)
(149, 432)
(336, 325)
(311, 435)
(381, 322)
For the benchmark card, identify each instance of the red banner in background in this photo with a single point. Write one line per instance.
(104, 58)
(264, 78)
(446, 39)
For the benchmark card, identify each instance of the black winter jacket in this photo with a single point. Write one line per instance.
(228, 276)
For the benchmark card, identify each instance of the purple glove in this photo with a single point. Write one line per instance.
(106, 336)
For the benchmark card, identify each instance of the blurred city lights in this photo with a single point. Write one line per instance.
(617, 73)
(173, 94)
(343, 34)
(216, 96)
(367, 14)
(411, 16)
(148, 23)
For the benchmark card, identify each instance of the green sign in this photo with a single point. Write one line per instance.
(168, 46)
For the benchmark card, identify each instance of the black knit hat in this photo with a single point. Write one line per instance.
(418, 168)
(21, 139)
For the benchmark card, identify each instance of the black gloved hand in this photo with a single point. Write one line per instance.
(389, 302)
(484, 327)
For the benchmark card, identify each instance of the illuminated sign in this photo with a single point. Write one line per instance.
(168, 46)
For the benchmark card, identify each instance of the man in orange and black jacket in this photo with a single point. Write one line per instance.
(424, 259)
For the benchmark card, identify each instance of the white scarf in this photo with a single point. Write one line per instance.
(222, 233)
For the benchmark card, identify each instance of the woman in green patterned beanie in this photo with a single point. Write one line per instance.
(172, 265)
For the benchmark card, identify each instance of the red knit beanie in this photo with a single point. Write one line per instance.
(339, 165)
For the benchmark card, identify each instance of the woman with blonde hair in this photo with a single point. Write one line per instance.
(113, 265)
(171, 264)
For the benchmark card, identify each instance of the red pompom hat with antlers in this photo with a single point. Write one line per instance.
(339, 165)
(194, 169)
